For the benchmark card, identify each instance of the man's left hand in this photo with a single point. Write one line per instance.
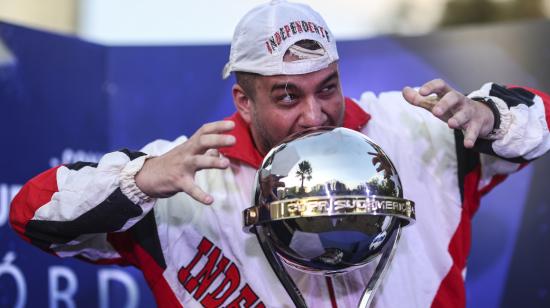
(458, 111)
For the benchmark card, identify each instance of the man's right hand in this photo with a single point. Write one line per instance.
(174, 172)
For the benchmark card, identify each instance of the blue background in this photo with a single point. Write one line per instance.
(64, 99)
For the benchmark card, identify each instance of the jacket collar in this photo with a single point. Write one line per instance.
(245, 151)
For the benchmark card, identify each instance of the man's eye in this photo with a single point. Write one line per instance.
(328, 88)
(287, 99)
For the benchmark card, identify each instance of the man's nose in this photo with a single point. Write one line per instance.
(312, 113)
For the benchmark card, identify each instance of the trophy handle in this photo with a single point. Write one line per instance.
(279, 269)
(380, 270)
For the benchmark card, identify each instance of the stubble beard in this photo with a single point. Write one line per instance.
(265, 139)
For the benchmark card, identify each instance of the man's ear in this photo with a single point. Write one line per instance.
(242, 102)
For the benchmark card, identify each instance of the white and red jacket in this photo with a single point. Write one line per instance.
(194, 255)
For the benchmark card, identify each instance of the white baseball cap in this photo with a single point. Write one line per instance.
(266, 32)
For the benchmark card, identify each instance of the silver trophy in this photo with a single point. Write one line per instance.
(328, 201)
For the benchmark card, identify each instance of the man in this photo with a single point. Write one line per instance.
(148, 208)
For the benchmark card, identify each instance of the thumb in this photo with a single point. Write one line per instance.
(413, 97)
(409, 94)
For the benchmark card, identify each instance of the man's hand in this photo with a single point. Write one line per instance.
(385, 165)
(174, 172)
(452, 107)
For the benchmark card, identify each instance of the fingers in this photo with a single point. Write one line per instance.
(213, 153)
(423, 99)
(198, 194)
(200, 162)
(444, 108)
(436, 86)
(175, 170)
(458, 111)
(200, 152)
(471, 133)
(449, 105)
(413, 97)
(460, 118)
(212, 141)
(278, 184)
(193, 164)
(210, 136)
(216, 127)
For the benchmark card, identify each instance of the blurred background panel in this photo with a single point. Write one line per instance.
(56, 15)
(207, 22)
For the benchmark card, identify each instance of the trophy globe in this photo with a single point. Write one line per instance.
(328, 201)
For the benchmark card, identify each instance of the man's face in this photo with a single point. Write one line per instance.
(286, 104)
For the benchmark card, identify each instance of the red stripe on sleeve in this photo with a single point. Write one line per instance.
(545, 99)
(36, 193)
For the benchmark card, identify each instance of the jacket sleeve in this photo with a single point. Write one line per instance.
(523, 135)
(70, 210)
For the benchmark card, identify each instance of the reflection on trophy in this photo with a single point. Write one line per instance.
(328, 201)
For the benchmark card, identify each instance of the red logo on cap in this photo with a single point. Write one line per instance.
(291, 29)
